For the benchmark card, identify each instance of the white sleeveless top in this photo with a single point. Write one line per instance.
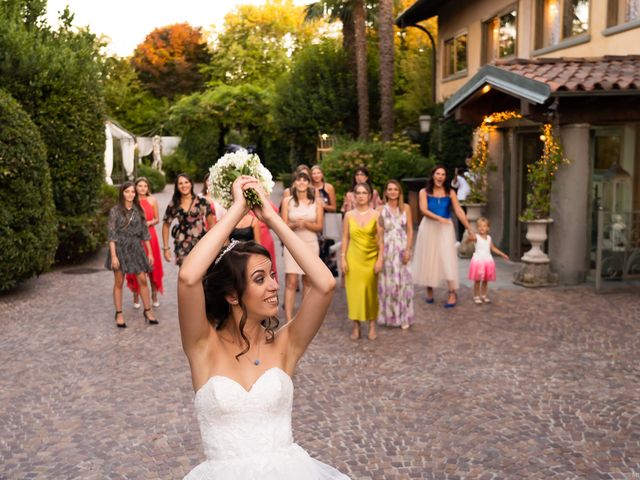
(483, 248)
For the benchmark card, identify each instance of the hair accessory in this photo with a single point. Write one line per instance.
(225, 251)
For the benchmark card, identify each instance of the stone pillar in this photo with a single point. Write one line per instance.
(495, 206)
(568, 237)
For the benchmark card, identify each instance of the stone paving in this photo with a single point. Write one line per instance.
(539, 384)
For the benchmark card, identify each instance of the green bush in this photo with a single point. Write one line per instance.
(397, 159)
(57, 77)
(177, 163)
(157, 180)
(80, 236)
(27, 215)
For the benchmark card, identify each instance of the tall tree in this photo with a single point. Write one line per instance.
(361, 68)
(385, 35)
(257, 43)
(334, 11)
(168, 62)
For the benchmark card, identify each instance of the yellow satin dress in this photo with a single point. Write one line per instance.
(361, 281)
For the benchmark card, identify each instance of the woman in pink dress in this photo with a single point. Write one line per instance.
(150, 206)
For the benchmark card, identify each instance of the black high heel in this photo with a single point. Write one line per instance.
(119, 325)
(150, 321)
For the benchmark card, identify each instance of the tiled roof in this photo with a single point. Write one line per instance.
(607, 73)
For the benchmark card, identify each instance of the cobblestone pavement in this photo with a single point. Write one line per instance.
(539, 384)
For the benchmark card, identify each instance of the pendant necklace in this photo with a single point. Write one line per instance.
(256, 362)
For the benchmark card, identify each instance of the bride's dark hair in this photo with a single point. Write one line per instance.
(229, 277)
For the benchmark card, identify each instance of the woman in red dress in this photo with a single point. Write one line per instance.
(150, 206)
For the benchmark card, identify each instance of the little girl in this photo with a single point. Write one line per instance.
(482, 268)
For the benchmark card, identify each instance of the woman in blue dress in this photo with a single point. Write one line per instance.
(435, 259)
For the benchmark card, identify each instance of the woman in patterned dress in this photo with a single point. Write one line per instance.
(150, 206)
(395, 283)
(361, 260)
(304, 215)
(193, 214)
(127, 230)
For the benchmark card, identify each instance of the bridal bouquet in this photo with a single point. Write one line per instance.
(232, 165)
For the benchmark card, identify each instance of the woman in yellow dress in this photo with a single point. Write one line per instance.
(361, 260)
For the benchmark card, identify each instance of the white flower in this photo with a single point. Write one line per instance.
(229, 167)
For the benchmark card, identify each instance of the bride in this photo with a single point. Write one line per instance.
(241, 367)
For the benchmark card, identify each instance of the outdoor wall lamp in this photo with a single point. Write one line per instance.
(425, 123)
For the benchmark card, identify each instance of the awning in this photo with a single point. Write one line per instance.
(538, 80)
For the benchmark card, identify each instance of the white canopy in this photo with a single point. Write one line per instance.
(156, 145)
(127, 147)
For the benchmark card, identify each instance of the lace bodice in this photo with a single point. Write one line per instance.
(236, 422)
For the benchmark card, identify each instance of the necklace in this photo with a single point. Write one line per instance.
(363, 213)
(256, 362)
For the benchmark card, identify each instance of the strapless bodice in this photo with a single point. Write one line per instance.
(233, 420)
(247, 434)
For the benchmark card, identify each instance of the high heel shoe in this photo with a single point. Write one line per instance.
(150, 321)
(115, 317)
(429, 300)
(451, 305)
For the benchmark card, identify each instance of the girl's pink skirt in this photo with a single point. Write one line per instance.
(482, 270)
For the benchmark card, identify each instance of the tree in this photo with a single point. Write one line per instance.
(257, 43)
(242, 108)
(361, 69)
(56, 76)
(128, 102)
(168, 62)
(318, 95)
(414, 70)
(385, 34)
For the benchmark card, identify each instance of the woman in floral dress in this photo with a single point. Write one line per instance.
(193, 214)
(395, 283)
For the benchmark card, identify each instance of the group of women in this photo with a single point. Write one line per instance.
(376, 253)
(376, 249)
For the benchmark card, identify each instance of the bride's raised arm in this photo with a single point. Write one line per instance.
(315, 303)
(194, 327)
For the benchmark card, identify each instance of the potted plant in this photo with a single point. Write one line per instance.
(537, 214)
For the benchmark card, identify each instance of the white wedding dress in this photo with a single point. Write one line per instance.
(247, 434)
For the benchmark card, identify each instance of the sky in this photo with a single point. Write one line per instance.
(127, 22)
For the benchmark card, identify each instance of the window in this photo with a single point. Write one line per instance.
(623, 11)
(455, 55)
(500, 36)
(561, 19)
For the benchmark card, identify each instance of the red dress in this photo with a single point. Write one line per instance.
(266, 240)
(156, 274)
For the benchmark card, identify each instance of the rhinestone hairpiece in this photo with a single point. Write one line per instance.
(225, 251)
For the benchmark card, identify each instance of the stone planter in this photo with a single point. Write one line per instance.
(474, 212)
(537, 235)
(535, 271)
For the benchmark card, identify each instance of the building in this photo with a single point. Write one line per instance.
(573, 63)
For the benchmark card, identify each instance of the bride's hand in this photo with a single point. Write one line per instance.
(237, 189)
(265, 212)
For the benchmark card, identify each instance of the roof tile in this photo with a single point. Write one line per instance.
(621, 72)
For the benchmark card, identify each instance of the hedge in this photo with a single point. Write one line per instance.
(157, 180)
(397, 159)
(27, 216)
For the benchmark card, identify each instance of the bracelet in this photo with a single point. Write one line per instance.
(166, 248)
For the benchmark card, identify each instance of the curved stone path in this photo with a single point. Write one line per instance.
(541, 384)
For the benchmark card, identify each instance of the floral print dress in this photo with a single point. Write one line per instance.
(395, 283)
(190, 227)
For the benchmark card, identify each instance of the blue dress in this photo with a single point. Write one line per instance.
(435, 259)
